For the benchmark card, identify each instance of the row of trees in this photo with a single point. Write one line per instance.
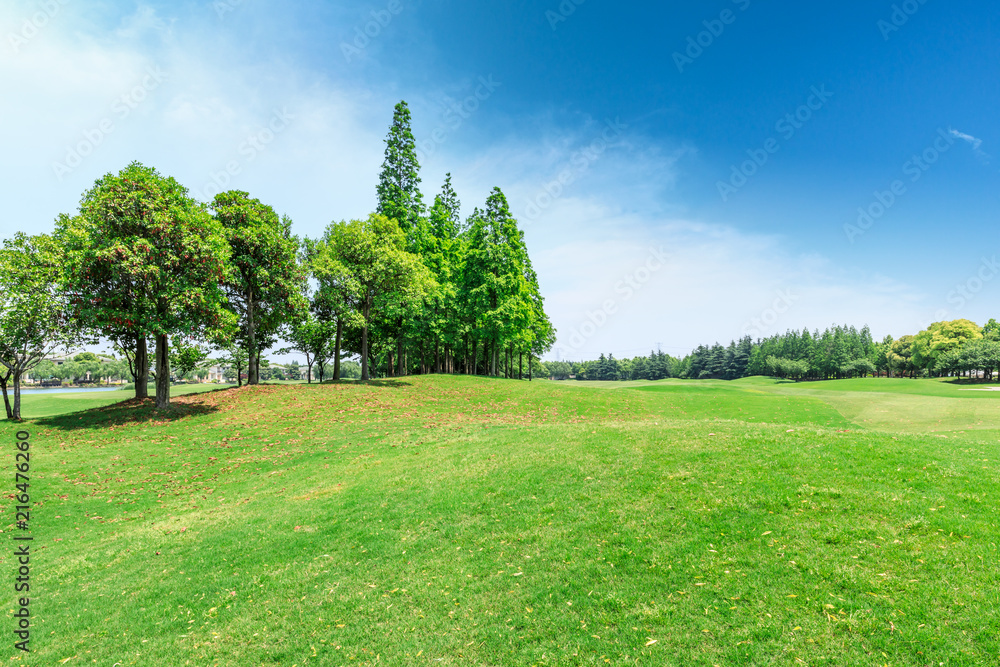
(417, 290)
(657, 366)
(145, 266)
(945, 348)
(81, 367)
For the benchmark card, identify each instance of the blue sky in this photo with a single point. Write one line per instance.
(713, 158)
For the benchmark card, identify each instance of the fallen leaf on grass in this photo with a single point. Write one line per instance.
(650, 642)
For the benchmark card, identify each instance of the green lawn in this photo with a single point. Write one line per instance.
(465, 521)
(47, 404)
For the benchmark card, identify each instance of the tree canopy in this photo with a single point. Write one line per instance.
(144, 260)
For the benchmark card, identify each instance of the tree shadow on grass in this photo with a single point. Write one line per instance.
(387, 383)
(370, 383)
(974, 382)
(134, 411)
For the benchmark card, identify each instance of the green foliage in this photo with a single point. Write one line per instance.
(406, 292)
(185, 356)
(145, 260)
(844, 352)
(788, 368)
(265, 284)
(398, 192)
(383, 277)
(350, 370)
(942, 337)
(315, 339)
(500, 294)
(33, 312)
(991, 331)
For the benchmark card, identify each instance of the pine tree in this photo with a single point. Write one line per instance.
(398, 189)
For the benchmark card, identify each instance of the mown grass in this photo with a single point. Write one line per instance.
(39, 404)
(465, 521)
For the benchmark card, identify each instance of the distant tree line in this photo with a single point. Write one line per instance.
(167, 279)
(953, 348)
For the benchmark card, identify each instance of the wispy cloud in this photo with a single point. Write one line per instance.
(588, 242)
(975, 143)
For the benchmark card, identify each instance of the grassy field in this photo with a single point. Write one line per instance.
(466, 521)
(49, 404)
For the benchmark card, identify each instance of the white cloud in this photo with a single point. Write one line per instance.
(587, 240)
(717, 285)
(86, 96)
(975, 143)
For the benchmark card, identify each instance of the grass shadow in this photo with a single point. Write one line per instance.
(390, 383)
(133, 411)
(384, 382)
(974, 382)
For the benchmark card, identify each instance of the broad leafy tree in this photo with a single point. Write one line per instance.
(143, 260)
(33, 313)
(942, 337)
(373, 254)
(314, 338)
(264, 284)
(185, 356)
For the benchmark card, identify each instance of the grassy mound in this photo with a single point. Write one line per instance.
(465, 521)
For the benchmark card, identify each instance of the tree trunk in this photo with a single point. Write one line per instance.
(390, 365)
(17, 396)
(336, 349)
(520, 365)
(253, 363)
(6, 399)
(162, 372)
(529, 367)
(399, 357)
(141, 368)
(364, 341)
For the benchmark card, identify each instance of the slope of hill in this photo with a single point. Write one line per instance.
(454, 520)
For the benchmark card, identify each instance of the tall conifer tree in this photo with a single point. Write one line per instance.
(398, 189)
